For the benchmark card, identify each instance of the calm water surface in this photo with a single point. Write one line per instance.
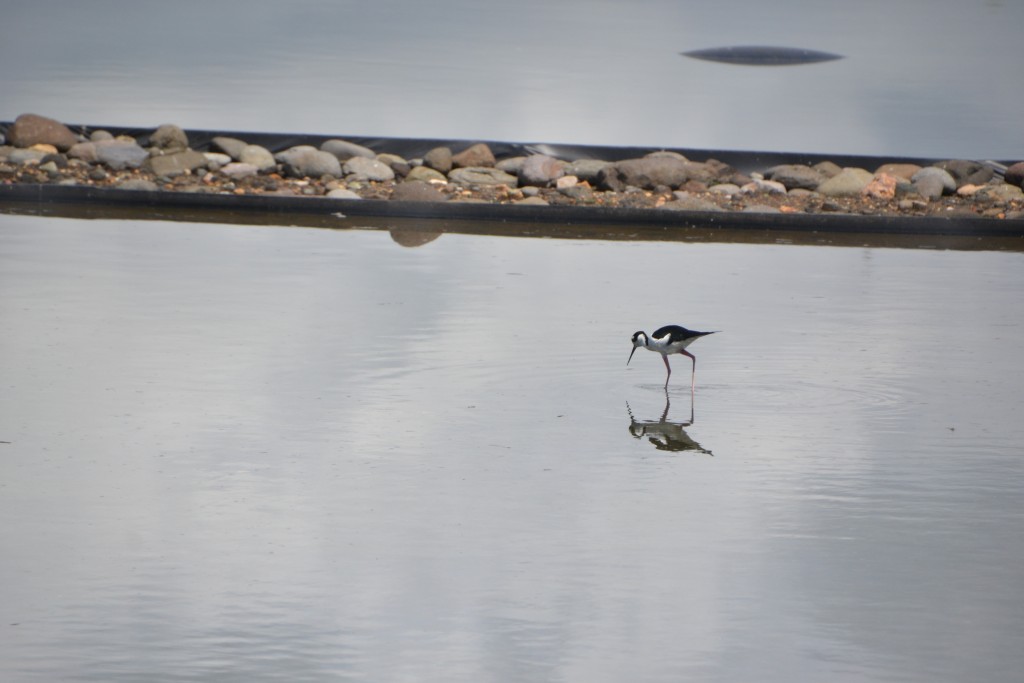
(241, 453)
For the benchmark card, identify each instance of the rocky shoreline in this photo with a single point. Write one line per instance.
(39, 150)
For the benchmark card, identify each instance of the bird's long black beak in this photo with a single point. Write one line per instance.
(631, 354)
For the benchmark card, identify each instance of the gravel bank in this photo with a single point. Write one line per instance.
(38, 150)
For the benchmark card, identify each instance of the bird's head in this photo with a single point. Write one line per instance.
(639, 339)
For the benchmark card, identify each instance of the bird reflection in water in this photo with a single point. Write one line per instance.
(665, 435)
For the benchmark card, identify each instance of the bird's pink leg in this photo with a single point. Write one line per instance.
(693, 371)
(667, 367)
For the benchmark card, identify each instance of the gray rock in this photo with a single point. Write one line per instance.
(904, 187)
(929, 186)
(86, 151)
(217, 159)
(233, 147)
(646, 173)
(139, 184)
(707, 173)
(439, 159)
(345, 150)
(796, 176)
(481, 175)
(305, 161)
(364, 168)
(170, 137)
(175, 164)
(26, 156)
(947, 181)
(579, 193)
(239, 169)
(426, 174)
(59, 160)
(475, 156)
(510, 165)
(760, 185)
(586, 169)
(98, 135)
(32, 129)
(398, 164)
(849, 182)
(342, 193)
(258, 156)
(724, 188)
(541, 170)
(966, 172)
(387, 158)
(119, 154)
(417, 191)
(722, 172)
(1002, 192)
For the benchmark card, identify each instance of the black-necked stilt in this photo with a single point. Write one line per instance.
(666, 341)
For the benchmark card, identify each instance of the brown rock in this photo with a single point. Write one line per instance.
(86, 151)
(540, 170)
(882, 186)
(31, 129)
(904, 171)
(646, 173)
(426, 174)
(169, 137)
(439, 159)
(827, 168)
(174, 164)
(417, 191)
(1015, 174)
(478, 155)
(795, 176)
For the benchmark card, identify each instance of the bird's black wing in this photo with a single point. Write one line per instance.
(675, 333)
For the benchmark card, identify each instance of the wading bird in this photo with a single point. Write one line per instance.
(666, 341)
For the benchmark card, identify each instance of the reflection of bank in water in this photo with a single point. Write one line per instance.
(413, 238)
(665, 435)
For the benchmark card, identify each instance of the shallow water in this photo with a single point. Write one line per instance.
(254, 453)
(932, 78)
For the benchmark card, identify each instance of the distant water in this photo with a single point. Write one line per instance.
(934, 78)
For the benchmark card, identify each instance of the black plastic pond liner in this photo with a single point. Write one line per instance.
(290, 210)
(322, 211)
